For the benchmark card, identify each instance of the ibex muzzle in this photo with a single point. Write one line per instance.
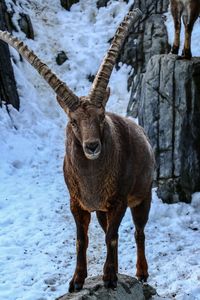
(92, 149)
(109, 163)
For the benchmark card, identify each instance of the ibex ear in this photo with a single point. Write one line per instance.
(62, 104)
(106, 96)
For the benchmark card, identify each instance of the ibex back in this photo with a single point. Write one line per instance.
(189, 10)
(108, 165)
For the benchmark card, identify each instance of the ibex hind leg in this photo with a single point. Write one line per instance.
(189, 24)
(176, 10)
(140, 215)
(82, 219)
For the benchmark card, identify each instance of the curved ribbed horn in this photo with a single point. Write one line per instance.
(67, 99)
(101, 80)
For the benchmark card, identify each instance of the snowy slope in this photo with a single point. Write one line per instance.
(37, 236)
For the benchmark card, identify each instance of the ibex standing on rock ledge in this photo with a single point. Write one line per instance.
(108, 165)
(189, 10)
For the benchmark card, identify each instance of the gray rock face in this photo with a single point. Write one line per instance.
(169, 111)
(24, 21)
(8, 89)
(148, 37)
(128, 288)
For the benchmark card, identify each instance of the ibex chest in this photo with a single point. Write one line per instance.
(97, 189)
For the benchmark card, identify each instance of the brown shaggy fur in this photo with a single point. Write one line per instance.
(120, 176)
(189, 10)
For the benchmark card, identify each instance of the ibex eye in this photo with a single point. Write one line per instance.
(73, 122)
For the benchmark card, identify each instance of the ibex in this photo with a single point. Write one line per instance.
(108, 165)
(189, 10)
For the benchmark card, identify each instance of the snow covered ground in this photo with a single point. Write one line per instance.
(37, 232)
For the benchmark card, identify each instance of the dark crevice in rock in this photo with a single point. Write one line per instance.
(158, 130)
(126, 288)
(173, 119)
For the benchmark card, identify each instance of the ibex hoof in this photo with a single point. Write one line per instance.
(110, 284)
(75, 287)
(110, 280)
(78, 287)
(186, 54)
(174, 50)
(185, 57)
(142, 278)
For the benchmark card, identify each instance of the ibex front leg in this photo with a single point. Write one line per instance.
(114, 217)
(82, 219)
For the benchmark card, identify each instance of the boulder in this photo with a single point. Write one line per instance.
(128, 288)
(26, 25)
(61, 58)
(169, 111)
(67, 4)
(102, 3)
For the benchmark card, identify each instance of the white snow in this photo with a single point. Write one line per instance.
(37, 235)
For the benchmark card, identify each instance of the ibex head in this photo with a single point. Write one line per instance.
(87, 124)
(86, 114)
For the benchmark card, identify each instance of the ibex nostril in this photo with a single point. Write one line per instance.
(92, 147)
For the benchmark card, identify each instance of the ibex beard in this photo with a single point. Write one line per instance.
(109, 163)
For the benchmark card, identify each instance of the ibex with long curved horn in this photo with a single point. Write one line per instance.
(108, 164)
(189, 10)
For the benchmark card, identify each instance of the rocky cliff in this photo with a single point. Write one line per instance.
(169, 110)
(147, 38)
